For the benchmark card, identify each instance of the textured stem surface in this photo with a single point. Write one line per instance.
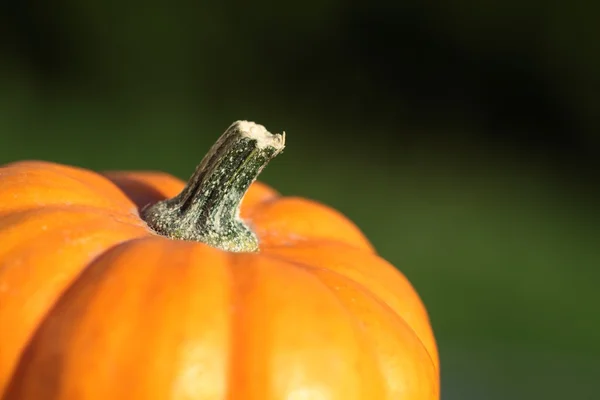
(207, 209)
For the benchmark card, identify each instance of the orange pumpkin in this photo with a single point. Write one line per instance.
(104, 298)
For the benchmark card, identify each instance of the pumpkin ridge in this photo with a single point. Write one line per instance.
(43, 321)
(362, 288)
(6, 225)
(293, 219)
(124, 217)
(53, 233)
(75, 174)
(399, 319)
(358, 326)
(60, 195)
(238, 353)
(391, 285)
(285, 305)
(50, 295)
(305, 266)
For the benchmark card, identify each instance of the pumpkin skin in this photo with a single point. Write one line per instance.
(96, 305)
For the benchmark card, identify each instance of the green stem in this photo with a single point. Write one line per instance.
(207, 210)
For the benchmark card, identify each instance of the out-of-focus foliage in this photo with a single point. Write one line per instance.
(462, 138)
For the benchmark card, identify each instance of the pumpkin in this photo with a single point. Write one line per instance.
(135, 285)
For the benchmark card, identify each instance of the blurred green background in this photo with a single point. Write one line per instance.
(463, 139)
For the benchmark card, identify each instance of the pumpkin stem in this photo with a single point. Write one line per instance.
(208, 208)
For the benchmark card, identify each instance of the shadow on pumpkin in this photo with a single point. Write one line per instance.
(145, 188)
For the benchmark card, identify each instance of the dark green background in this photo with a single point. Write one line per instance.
(462, 139)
